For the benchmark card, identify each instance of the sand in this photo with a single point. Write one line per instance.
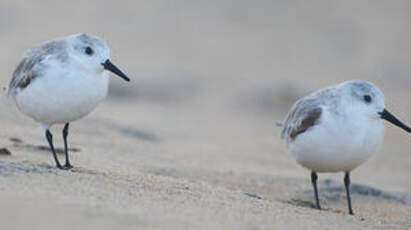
(191, 142)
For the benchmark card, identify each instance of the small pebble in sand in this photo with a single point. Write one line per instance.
(4, 151)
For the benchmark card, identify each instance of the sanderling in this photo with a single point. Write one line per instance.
(61, 81)
(336, 129)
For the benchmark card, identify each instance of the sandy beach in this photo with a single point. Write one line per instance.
(191, 142)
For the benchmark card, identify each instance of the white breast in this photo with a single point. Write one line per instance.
(62, 96)
(337, 143)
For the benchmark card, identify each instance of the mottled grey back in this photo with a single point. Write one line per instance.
(32, 64)
(307, 112)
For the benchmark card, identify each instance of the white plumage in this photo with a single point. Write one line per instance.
(347, 132)
(61, 81)
(337, 129)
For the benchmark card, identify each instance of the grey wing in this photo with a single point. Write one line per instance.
(32, 64)
(23, 74)
(305, 114)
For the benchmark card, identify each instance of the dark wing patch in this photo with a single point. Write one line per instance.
(308, 121)
(25, 81)
(306, 112)
(32, 65)
(24, 68)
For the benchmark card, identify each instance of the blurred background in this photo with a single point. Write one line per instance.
(211, 78)
(249, 52)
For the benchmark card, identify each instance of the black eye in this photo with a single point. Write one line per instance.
(89, 50)
(367, 98)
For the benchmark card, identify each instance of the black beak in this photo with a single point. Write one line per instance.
(111, 67)
(389, 117)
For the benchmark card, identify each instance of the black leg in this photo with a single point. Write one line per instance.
(50, 140)
(347, 189)
(65, 134)
(314, 182)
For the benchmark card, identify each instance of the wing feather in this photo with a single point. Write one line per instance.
(305, 114)
(32, 64)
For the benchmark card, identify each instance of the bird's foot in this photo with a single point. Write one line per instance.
(65, 167)
(68, 166)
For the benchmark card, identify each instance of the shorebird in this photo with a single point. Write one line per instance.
(61, 81)
(336, 129)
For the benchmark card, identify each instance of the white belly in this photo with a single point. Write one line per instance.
(53, 100)
(336, 147)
